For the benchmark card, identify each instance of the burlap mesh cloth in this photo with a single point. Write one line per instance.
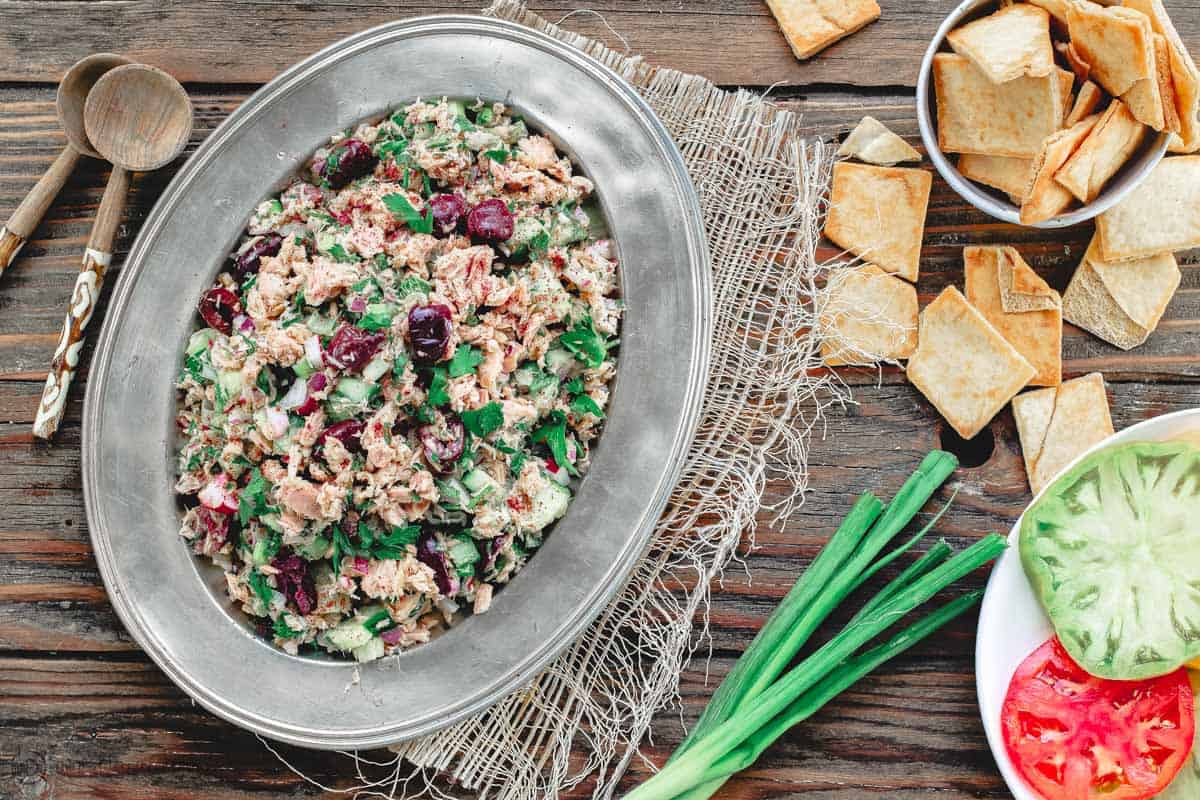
(761, 186)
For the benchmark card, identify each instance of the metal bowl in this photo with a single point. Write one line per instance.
(174, 606)
(995, 202)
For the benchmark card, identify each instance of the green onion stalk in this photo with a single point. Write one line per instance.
(757, 702)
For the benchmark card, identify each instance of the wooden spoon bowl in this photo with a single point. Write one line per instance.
(138, 117)
(73, 92)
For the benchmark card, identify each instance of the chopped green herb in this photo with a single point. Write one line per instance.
(258, 582)
(263, 382)
(252, 500)
(499, 156)
(394, 148)
(338, 253)
(574, 386)
(517, 462)
(465, 359)
(437, 395)
(378, 317)
(485, 420)
(282, 631)
(485, 116)
(412, 284)
(588, 345)
(374, 622)
(554, 434)
(400, 207)
(583, 404)
(540, 242)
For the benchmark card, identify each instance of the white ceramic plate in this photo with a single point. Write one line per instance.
(1011, 621)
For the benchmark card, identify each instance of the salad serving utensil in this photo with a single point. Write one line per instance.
(138, 118)
(72, 94)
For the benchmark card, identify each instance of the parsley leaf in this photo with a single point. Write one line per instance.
(484, 420)
(338, 253)
(258, 582)
(465, 359)
(574, 386)
(437, 396)
(400, 207)
(394, 544)
(517, 462)
(540, 243)
(499, 156)
(588, 345)
(394, 148)
(411, 285)
(554, 434)
(282, 630)
(583, 404)
(252, 500)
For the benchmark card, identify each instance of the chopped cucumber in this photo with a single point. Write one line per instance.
(477, 480)
(370, 651)
(457, 107)
(376, 369)
(200, 341)
(567, 230)
(272, 521)
(526, 374)
(463, 554)
(454, 496)
(349, 635)
(514, 132)
(321, 325)
(549, 504)
(355, 390)
(302, 368)
(378, 316)
(314, 550)
(229, 386)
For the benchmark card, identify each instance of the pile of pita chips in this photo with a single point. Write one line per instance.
(1019, 305)
(878, 214)
(874, 143)
(812, 25)
(1055, 425)
(963, 366)
(867, 315)
(1006, 102)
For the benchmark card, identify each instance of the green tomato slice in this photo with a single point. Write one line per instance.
(1113, 551)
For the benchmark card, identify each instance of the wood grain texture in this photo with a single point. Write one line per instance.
(250, 41)
(84, 715)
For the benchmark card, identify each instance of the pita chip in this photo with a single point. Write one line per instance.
(1185, 77)
(1160, 215)
(812, 25)
(1056, 8)
(1046, 198)
(1037, 335)
(1086, 102)
(1115, 42)
(1120, 302)
(1079, 68)
(1113, 139)
(1022, 289)
(1012, 42)
(868, 316)
(878, 213)
(1009, 175)
(963, 366)
(999, 119)
(874, 143)
(1057, 425)
(1152, 101)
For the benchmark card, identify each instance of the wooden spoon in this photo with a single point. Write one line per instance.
(72, 93)
(139, 118)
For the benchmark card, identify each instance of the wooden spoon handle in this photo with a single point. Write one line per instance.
(27, 216)
(96, 259)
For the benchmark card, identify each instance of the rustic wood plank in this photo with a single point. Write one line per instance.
(256, 40)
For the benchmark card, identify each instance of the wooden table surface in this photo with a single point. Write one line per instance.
(84, 714)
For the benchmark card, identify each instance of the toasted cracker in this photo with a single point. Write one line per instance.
(963, 365)
(878, 213)
(867, 316)
(1005, 119)
(1033, 412)
(812, 25)
(1080, 68)
(1056, 8)
(1080, 421)
(1152, 101)
(1086, 102)
(1046, 198)
(1087, 304)
(1185, 76)
(1009, 175)
(1141, 288)
(1114, 138)
(1037, 335)
(1022, 289)
(1160, 215)
(871, 141)
(1115, 42)
(1012, 42)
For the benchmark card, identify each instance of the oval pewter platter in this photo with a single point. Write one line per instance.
(173, 605)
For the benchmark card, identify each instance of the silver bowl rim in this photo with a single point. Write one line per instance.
(92, 461)
(1151, 153)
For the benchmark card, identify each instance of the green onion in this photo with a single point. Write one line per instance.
(691, 769)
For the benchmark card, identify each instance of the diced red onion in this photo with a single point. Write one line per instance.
(295, 397)
(392, 635)
(361, 565)
(312, 352)
(358, 305)
(278, 420)
(317, 382)
(243, 323)
(217, 497)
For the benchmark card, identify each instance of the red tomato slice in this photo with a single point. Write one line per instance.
(1073, 736)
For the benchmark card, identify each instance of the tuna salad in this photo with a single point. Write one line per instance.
(399, 372)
